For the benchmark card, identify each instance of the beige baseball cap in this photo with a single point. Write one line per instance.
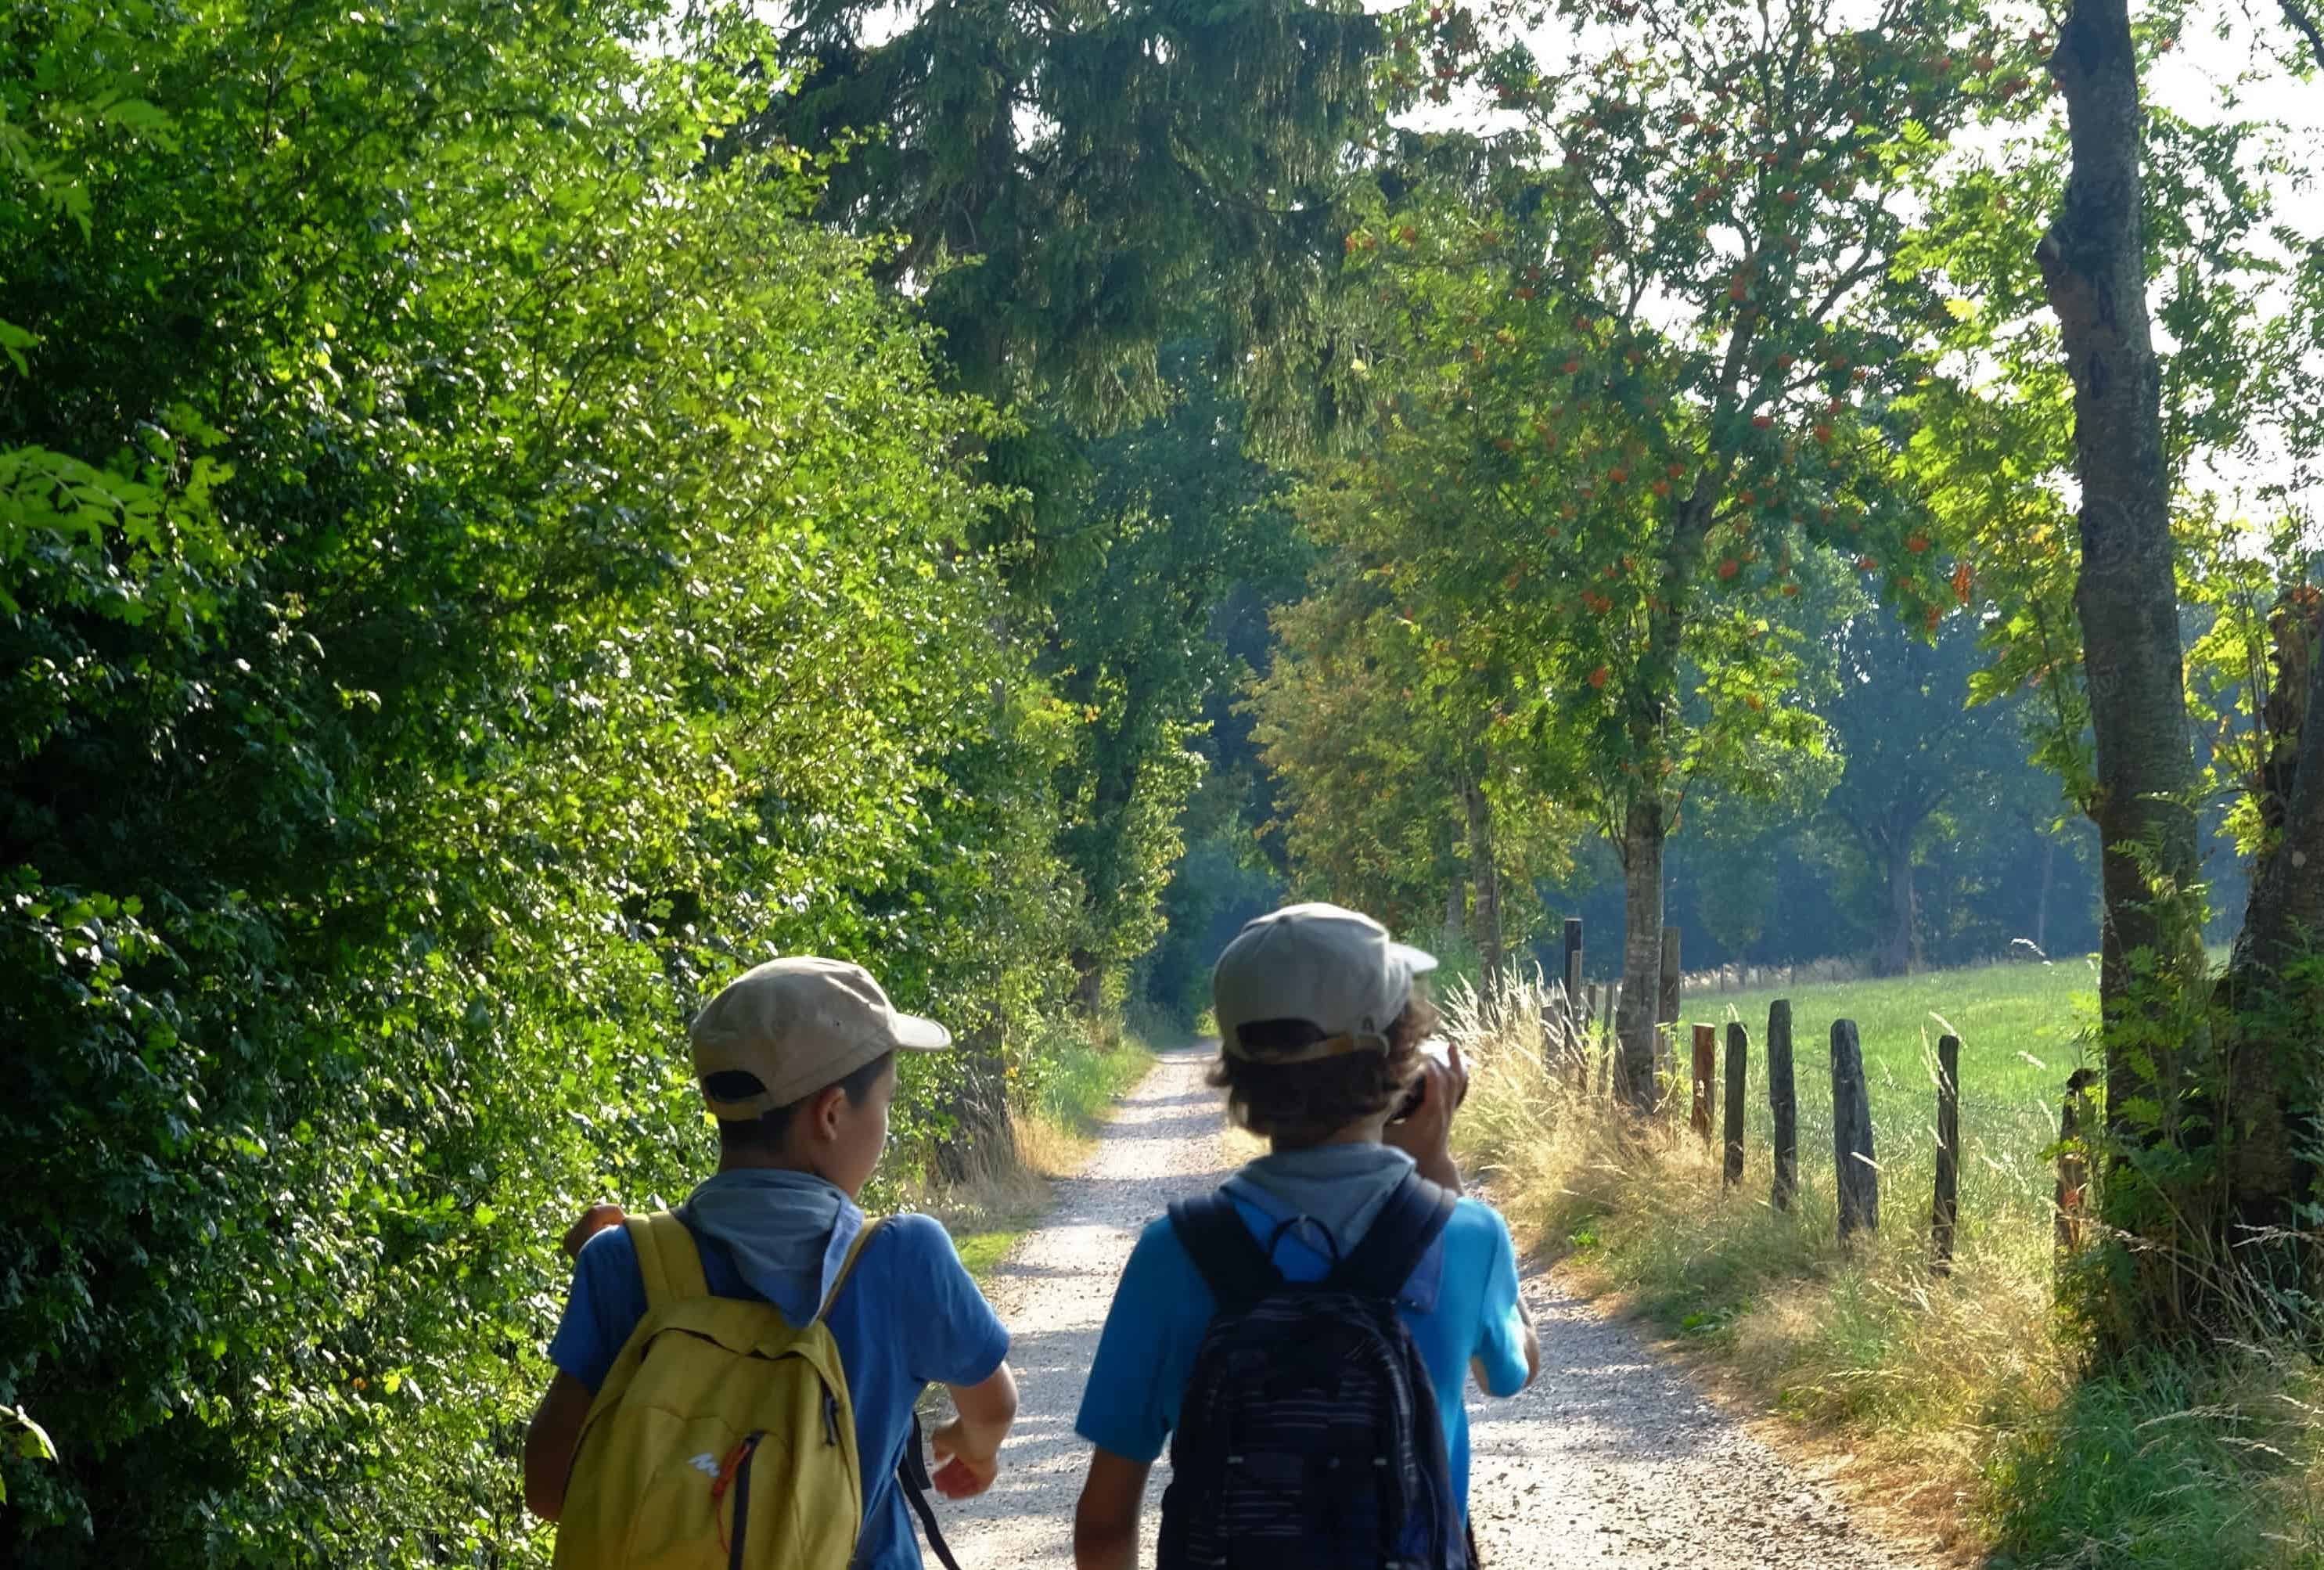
(797, 1025)
(1337, 969)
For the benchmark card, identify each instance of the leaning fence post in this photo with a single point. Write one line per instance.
(1706, 1083)
(1783, 1101)
(1851, 1134)
(1739, 1047)
(2073, 1163)
(1946, 1212)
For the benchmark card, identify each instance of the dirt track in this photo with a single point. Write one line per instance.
(1611, 1460)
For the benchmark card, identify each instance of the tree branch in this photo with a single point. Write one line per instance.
(2296, 15)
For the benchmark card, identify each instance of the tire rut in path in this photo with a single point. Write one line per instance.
(1612, 1461)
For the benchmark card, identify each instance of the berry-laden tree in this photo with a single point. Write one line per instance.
(1403, 789)
(1653, 327)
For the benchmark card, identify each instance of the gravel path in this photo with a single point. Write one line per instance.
(1612, 1461)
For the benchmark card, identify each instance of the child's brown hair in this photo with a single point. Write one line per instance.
(1307, 1101)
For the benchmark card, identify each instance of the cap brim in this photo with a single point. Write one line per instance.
(914, 1034)
(1418, 961)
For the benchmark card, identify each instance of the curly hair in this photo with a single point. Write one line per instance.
(1305, 1104)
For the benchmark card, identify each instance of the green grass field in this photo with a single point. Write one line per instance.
(2024, 1028)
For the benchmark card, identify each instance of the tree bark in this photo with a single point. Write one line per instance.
(2041, 900)
(1896, 951)
(1642, 949)
(2093, 266)
(1485, 877)
(2274, 1015)
(1650, 694)
(982, 1141)
(1089, 983)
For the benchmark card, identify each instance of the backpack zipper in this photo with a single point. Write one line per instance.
(830, 1419)
(749, 1452)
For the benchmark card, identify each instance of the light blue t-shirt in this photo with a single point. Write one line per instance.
(908, 1317)
(1459, 1303)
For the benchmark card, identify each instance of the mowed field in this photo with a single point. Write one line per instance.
(2023, 1028)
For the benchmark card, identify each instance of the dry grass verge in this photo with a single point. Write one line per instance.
(1054, 1132)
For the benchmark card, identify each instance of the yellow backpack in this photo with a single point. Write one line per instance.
(723, 1438)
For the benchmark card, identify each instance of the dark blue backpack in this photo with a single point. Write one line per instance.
(1309, 1438)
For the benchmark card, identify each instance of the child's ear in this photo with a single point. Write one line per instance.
(823, 1112)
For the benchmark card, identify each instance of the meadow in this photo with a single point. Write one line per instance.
(2024, 1028)
(1961, 1405)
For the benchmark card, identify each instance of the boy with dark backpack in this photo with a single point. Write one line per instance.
(1302, 1335)
(736, 1379)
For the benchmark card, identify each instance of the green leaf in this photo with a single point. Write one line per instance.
(30, 1441)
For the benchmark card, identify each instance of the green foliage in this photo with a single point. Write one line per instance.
(1073, 180)
(1177, 515)
(1120, 303)
(472, 575)
(2177, 1464)
(1634, 357)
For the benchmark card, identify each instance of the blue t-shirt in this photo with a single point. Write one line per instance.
(1461, 1303)
(908, 1317)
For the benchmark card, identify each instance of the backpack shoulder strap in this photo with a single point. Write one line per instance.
(847, 1265)
(667, 1259)
(1237, 1269)
(1414, 1217)
(912, 1477)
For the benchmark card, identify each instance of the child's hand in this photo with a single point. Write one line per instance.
(594, 1220)
(1425, 1136)
(960, 1474)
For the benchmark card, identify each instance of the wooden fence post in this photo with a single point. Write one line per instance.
(1577, 1030)
(1601, 1012)
(1946, 1212)
(1706, 1082)
(1783, 1101)
(2074, 1165)
(1738, 1047)
(1851, 1134)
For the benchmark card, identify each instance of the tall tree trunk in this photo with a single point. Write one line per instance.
(1089, 983)
(1484, 876)
(2041, 900)
(1643, 832)
(2093, 266)
(1651, 694)
(2093, 263)
(1896, 950)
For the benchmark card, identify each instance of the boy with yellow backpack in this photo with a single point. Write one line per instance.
(736, 1379)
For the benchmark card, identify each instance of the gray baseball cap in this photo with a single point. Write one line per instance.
(1337, 969)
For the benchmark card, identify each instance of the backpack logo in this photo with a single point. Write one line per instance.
(704, 1464)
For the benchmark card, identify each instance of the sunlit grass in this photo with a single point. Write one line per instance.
(1081, 1078)
(1961, 1396)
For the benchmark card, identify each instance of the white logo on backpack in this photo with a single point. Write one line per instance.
(704, 1464)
